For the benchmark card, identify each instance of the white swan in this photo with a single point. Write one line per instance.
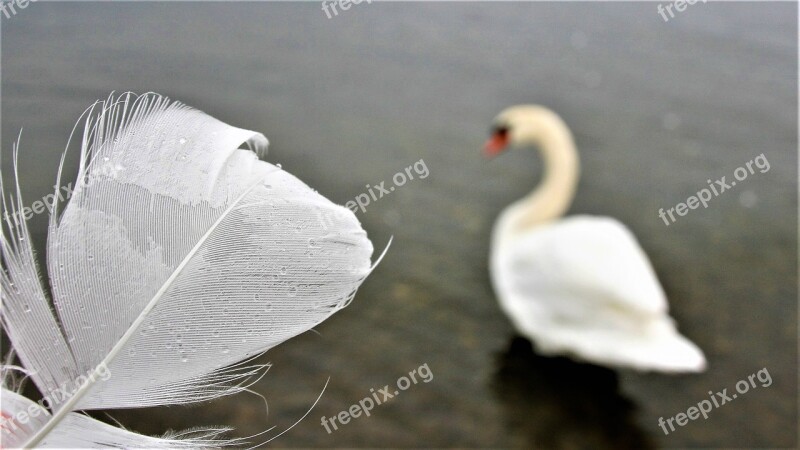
(580, 286)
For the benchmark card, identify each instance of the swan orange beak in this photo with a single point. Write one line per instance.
(495, 144)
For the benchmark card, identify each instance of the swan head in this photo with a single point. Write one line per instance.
(522, 126)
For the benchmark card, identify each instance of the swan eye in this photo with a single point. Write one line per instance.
(499, 131)
(497, 142)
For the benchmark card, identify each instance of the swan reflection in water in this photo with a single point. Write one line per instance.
(557, 403)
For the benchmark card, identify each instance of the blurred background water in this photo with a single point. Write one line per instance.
(657, 109)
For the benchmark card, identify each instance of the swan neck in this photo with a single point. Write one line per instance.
(554, 194)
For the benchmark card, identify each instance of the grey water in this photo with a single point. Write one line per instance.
(657, 108)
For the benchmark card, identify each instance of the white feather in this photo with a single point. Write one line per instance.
(80, 431)
(178, 256)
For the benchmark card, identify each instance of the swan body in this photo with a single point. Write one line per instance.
(580, 286)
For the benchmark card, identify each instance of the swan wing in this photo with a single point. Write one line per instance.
(583, 286)
(580, 265)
